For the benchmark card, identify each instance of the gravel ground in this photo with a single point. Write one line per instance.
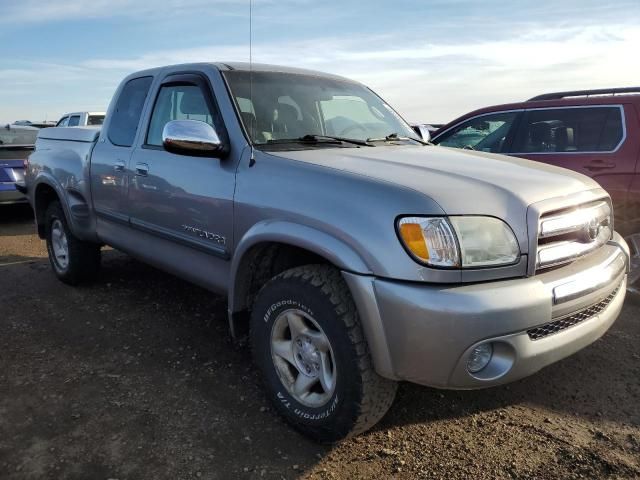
(135, 377)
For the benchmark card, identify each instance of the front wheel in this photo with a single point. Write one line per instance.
(308, 343)
(73, 260)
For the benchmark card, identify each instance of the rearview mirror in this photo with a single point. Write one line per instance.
(191, 137)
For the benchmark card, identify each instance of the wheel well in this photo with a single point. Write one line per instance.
(259, 264)
(43, 197)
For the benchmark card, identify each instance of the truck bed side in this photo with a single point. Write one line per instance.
(60, 166)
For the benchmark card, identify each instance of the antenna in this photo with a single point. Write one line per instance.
(252, 128)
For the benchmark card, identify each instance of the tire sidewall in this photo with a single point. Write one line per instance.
(54, 212)
(339, 412)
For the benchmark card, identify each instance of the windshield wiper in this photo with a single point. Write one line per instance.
(392, 137)
(312, 138)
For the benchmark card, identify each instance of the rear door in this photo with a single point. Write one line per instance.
(111, 155)
(591, 140)
(182, 199)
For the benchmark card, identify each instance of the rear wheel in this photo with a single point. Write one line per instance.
(73, 260)
(308, 343)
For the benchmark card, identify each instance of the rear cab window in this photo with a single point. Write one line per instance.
(571, 129)
(95, 120)
(126, 114)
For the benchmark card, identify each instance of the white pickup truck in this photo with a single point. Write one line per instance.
(81, 119)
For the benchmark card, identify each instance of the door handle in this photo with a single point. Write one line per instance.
(599, 165)
(119, 166)
(142, 169)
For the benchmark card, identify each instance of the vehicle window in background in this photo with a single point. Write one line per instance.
(18, 136)
(290, 105)
(63, 122)
(95, 120)
(486, 133)
(177, 102)
(584, 129)
(74, 121)
(126, 114)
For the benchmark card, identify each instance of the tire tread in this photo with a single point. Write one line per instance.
(378, 392)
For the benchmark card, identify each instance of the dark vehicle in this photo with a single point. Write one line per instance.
(594, 132)
(16, 144)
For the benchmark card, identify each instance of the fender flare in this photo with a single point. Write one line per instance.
(44, 178)
(66, 197)
(323, 244)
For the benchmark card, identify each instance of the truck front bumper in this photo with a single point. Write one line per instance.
(426, 333)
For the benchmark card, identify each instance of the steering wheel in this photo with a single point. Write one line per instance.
(351, 128)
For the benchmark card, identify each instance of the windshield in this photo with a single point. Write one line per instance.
(290, 105)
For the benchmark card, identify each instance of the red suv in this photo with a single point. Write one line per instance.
(594, 132)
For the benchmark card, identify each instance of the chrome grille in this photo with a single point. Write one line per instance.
(574, 319)
(568, 234)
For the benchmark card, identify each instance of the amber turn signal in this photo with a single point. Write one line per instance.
(411, 234)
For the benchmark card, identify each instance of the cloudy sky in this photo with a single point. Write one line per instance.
(432, 59)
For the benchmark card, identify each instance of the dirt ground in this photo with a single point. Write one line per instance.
(135, 377)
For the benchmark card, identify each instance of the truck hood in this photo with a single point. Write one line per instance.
(462, 182)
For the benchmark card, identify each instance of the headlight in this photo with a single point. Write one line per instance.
(465, 242)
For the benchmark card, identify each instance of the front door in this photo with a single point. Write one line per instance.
(181, 200)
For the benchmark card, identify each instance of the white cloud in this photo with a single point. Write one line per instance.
(435, 82)
(426, 82)
(36, 11)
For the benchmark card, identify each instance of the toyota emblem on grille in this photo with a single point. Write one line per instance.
(593, 229)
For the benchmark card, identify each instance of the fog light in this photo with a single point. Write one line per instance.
(480, 357)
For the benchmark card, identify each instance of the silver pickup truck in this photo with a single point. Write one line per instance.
(353, 254)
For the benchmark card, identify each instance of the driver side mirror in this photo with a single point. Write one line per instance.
(192, 137)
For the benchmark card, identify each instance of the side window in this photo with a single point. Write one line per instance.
(486, 133)
(177, 102)
(74, 121)
(583, 129)
(63, 122)
(126, 114)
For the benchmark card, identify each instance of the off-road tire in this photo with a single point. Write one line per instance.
(361, 397)
(83, 257)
